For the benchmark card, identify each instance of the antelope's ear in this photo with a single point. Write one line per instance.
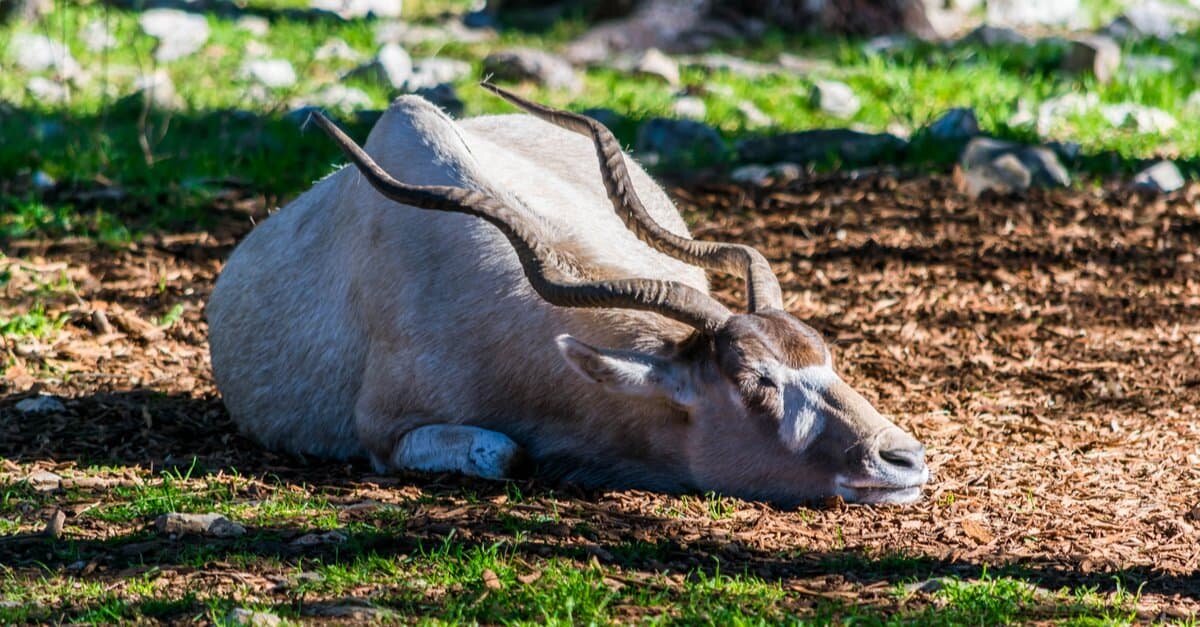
(627, 372)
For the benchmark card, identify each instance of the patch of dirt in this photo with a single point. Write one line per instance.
(1045, 349)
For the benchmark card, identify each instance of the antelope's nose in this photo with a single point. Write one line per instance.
(901, 455)
(906, 459)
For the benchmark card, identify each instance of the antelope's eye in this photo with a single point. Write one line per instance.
(766, 382)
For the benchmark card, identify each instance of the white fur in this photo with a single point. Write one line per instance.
(456, 448)
(806, 390)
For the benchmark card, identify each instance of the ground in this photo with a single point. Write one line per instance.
(1046, 349)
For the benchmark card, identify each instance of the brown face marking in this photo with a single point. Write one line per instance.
(771, 335)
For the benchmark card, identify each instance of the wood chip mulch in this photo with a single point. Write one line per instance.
(1046, 349)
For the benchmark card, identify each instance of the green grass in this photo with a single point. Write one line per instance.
(169, 165)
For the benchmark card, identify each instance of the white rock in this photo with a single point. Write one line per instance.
(36, 53)
(353, 9)
(658, 65)
(836, 99)
(41, 404)
(689, 107)
(179, 33)
(1148, 64)
(43, 181)
(430, 72)
(46, 90)
(254, 24)
(396, 32)
(159, 89)
(1139, 117)
(214, 525)
(1031, 12)
(272, 73)
(336, 49)
(754, 116)
(96, 36)
(532, 64)
(1163, 176)
(256, 49)
(391, 66)
(44, 480)
(754, 174)
(1192, 104)
(342, 98)
(250, 618)
(1052, 113)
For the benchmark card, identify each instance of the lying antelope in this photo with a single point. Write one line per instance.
(469, 297)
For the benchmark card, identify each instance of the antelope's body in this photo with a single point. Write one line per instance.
(350, 325)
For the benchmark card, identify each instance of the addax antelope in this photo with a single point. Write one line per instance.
(473, 295)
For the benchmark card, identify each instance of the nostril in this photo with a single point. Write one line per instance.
(906, 458)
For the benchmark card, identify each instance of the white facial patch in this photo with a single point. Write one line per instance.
(802, 392)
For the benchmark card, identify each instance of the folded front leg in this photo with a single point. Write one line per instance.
(457, 448)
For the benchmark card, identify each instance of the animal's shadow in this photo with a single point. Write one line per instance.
(194, 435)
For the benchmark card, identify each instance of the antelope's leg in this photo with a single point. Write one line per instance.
(471, 451)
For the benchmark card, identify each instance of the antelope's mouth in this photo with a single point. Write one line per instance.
(874, 491)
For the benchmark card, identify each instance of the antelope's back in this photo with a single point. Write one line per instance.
(342, 273)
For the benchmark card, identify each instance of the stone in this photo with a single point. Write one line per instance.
(41, 404)
(316, 539)
(1032, 12)
(1192, 104)
(990, 36)
(887, 44)
(339, 97)
(1152, 19)
(430, 72)
(37, 53)
(254, 24)
(270, 73)
(1054, 112)
(156, 89)
(678, 142)
(26, 10)
(753, 115)
(1141, 64)
(178, 32)
(1162, 177)
(531, 64)
(391, 66)
(654, 63)
(1097, 54)
(213, 525)
(754, 174)
(955, 125)
(720, 62)
(97, 37)
(252, 618)
(44, 480)
(835, 98)
(255, 49)
(336, 49)
(43, 181)
(804, 65)
(445, 97)
(1140, 118)
(397, 32)
(357, 9)
(689, 107)
(1008, 167)
(851, 148)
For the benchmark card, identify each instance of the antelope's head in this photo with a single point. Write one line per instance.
(766, 414)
